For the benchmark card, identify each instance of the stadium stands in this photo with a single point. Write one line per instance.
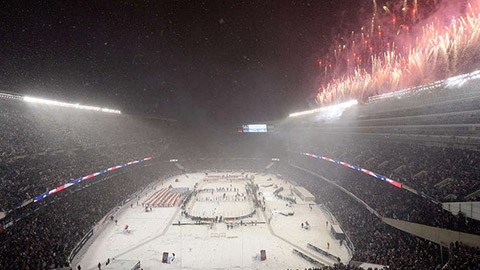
(34, 129)
(423, 168)
(390, 201)
(446, 117)
(43, 147)
(374, 241)
(428, 141)
(45, 238)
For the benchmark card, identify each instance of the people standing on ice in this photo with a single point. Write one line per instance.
(328, 245)
(99, 266)
(307, 225)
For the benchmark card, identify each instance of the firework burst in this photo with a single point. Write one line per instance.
(390, 56)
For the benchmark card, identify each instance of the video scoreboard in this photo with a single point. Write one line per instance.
(256, 128)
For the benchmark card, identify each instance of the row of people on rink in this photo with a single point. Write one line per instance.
(231, 225)
(219, 189)
(222, 198)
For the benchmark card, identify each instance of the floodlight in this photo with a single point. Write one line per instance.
(68, 105)
(340, 106)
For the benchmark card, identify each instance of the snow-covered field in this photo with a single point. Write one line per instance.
(214, 246)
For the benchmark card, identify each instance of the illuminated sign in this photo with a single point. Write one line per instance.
(257, 128)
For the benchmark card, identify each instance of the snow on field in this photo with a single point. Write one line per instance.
(214, 246)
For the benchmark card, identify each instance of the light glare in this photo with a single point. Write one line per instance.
(68, 105)
(340, 106)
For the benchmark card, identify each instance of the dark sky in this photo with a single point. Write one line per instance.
(207, 61)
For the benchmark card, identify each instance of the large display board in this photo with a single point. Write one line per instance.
(256, 128)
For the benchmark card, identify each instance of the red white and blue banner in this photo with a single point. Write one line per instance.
(88, 177)
(376, 175)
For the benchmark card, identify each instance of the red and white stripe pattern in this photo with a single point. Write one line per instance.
(162, 198)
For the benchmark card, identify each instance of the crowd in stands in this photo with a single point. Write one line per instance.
(374, 241)
(418, 166)
(340, 266)
(25, 178)
(443, 100)
(463, 257)
(43, 147)
(45, 238)
(391, 201)
(31, 128)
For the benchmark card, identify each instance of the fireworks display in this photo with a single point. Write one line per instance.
(404, 44)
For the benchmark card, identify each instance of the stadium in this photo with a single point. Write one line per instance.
(382, 174)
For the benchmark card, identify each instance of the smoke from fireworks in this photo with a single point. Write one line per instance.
(403, 47)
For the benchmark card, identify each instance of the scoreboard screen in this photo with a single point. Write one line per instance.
(257, 128)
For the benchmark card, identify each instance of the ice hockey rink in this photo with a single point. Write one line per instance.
(277, 230)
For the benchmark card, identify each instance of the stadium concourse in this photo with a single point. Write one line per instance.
(427, 143)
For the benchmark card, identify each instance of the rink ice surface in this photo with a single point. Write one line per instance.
(205, 247)
(227, 208)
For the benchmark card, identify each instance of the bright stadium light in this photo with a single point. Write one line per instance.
(68, 105)
(332, 108)
(10, 96)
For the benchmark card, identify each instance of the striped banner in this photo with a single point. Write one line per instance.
(62, 187)
(376, 175)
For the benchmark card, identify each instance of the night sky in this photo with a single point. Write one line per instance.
(218, 62)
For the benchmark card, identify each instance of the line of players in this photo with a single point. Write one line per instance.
(224, 198)
(219, 189)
